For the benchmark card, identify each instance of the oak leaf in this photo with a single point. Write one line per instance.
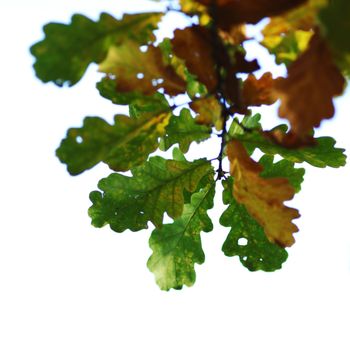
(304, 103)
(121, 146)
(247, 238)
(144, 72)
(155, 187)
(263, 198)
(68, 49)
(193, 44)
(256, 92)
(177, 246)
(184, 130)
(321, 154)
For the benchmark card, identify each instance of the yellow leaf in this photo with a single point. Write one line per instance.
(288, 35)
(263, 198)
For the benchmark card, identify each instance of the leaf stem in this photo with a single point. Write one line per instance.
(217, 47)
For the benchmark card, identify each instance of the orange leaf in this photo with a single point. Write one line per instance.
(256, 92)
(263, 198)
(307, 92)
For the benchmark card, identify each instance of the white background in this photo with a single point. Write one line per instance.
(66, 285)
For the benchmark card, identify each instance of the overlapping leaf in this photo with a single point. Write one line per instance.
(155, 187)
(184, 130)
(321, 154)
(141, 72)
(122, 146)
(246, 238)
(283, 168)
(68, 49)
(177, 246)
(263, 198)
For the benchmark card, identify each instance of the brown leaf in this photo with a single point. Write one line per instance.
(193, 45)
(307, 92)
(263, 198)
(232, 12)
(144, 72)
(256, 92)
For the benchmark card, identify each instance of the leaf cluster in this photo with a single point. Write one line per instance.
(203, 65)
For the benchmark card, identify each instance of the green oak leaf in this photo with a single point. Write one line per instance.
(121, 146)
(155, 187)
(68, 49)
(138, 102)
(283, 168)
(184, 130)
(177, 246)
(247, 238)
(322, 154)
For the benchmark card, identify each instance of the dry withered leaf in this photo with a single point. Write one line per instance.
(256, 92)
(144, 72)
(307, 92)
(263, 197)
(232, 12)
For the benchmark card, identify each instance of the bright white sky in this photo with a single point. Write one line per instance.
(66, 285)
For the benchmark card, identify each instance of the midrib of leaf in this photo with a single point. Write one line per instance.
(137, 130)
(189, 220)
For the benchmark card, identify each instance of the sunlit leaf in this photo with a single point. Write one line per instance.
(122, 146)
(184, 130)
(68, 49)
(155, 188)
(263, 198)
(177, 246)
(246, 238)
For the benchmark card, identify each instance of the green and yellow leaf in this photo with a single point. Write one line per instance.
(68, 49)
(263, 198)
(155, 188)
(177, 246)
(121, 146)
(247, 238)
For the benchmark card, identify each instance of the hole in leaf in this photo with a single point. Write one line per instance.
(79, 139)
(140, 75)
(242, 241)
(143, 48)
